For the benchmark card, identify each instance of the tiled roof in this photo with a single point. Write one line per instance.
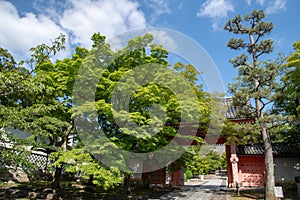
(230, 112)
(233, 112)
(250, 150)
(279, 150)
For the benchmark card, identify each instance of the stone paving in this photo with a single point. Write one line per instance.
(208, 189)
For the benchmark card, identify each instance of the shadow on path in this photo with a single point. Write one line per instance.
(211, 189)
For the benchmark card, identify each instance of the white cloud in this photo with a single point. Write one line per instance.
(276, 6)
(180, 6)
(272, 6)
(159, 6)
(19, 33)
(248, 2)
(161, 36)
(164, 38)
(109, 17)
(261, 2)
(75, 18)
(216, 10)
(51, 8)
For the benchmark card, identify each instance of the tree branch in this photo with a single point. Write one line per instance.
(45, 51)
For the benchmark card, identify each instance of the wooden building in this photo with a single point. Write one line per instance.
(248, 167)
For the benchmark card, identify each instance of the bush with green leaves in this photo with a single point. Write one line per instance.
(200, 165)
(79, 160)
(188, 174)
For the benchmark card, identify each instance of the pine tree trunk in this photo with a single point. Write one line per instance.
(269, 162)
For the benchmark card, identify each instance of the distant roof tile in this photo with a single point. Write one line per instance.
(230, 112)
(279, 150)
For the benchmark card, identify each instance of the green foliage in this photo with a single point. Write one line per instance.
(188, 174)
(241, 133)
(288, 100)
(79, 160)
(24, 101)
(185, 177)
(290, 91)
(15, 77)
(223, 161)
(201, 165)
(215, 160)
(37, 96)
(256, 82)
(163, 96)
(13, 152)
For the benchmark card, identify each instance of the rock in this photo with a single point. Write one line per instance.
(10, 182)
(43, 193)
(19, 176)
(48, 190)
(32, 195)
(50, 196)
(19, 194)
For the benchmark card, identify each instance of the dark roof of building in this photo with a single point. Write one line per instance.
(230, 112)
(279, 150)
(233, 113)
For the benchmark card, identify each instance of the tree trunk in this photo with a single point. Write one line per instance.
(91, 179)
(146, 180)
(269, 162)
(126, 183)
(57, 175)
(58, 170)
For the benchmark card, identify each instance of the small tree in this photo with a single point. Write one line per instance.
(23, 102)
(256, 80)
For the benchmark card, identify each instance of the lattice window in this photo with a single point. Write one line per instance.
(39, 159)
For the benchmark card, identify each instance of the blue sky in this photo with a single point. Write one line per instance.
(24, 24)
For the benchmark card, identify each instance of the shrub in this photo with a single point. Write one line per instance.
(185, 177)
(189, 174)
(203, 165)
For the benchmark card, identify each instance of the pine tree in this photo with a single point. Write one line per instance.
(256, 79)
